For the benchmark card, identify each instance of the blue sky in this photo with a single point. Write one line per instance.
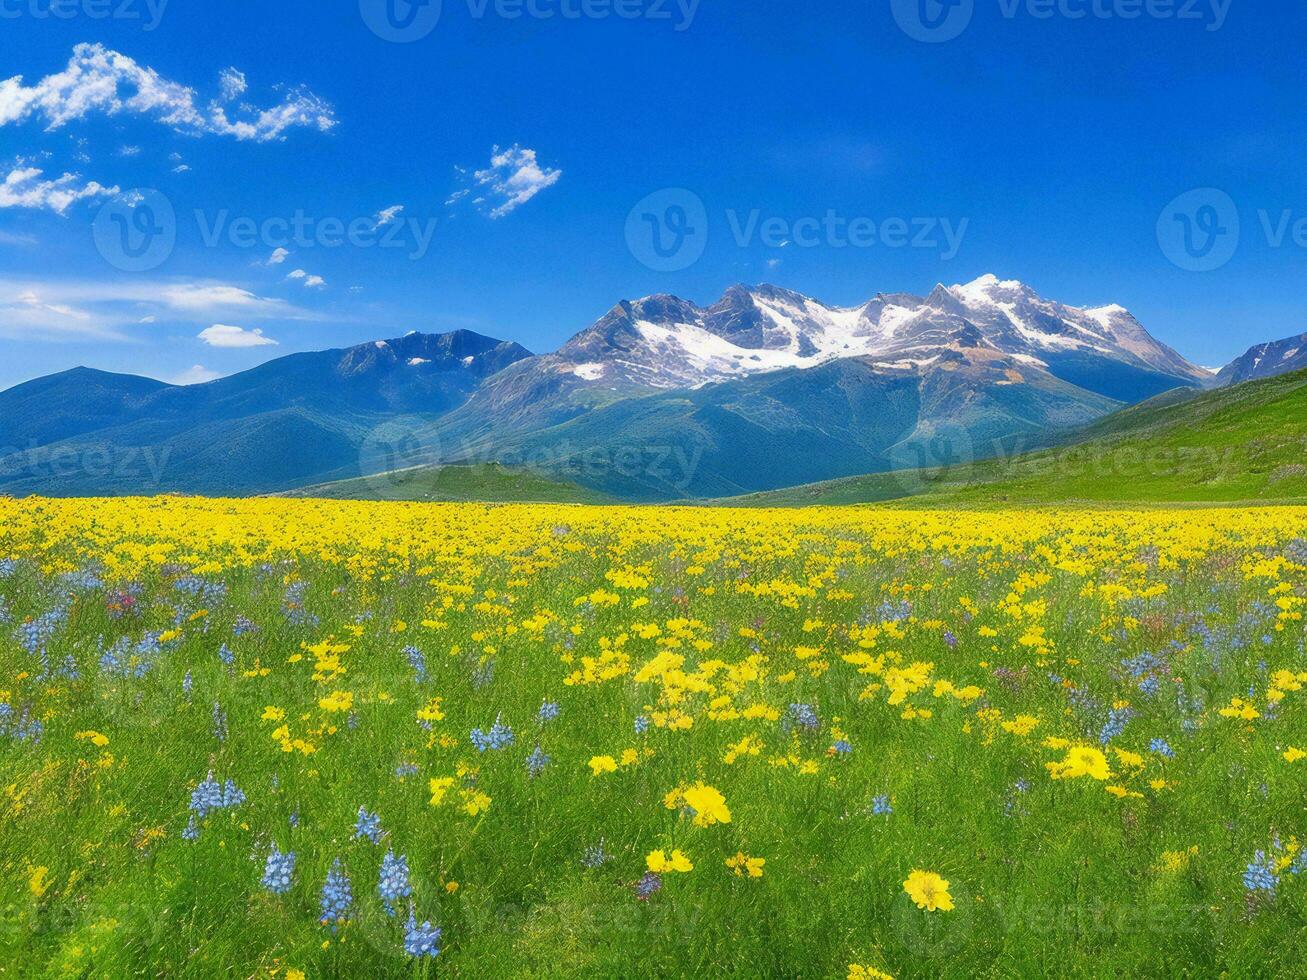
(516, 148)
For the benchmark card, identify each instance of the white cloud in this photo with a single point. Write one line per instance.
(232, 83)
(181, 168)
(111, 309)
(30, 298)
(15, 238)
(197, 297)
(310, 281)
(129, 151)
(386, 215)
(25, 188)
(196, 374)
(97, 79)
(513, 178)
(222, 335)
(27, 314)
(278, 256)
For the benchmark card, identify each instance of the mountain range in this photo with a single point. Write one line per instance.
(658, 399)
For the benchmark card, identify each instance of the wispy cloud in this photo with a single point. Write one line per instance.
(309, 281)
(99, 80)
(278, 256)
(222, 335)
(106, 309)
(25, 187)
(32, 315)
(513, 178)
(196, 374)
(386, 215)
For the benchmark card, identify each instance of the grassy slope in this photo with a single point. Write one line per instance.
(1242, 444)
(489, 483)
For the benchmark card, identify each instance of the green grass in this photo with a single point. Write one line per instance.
(1245, 444)
(480, 482)
(1049, 877)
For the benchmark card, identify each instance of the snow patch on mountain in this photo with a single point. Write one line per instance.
(665, 342)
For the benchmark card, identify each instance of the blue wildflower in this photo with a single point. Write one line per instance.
(1117, 719)
(647, 886)
(393, 884)
(206, 797)
(1161, 747)
(226, 656)
(337, 898)
(368, 825)
(536, 762)
(880, 806)
(421, 940)
(549, 710)
(232, 796)
(804, 716)
(278, 871)
(641, 724)
(417, 663)
(406, 769)
(1260, 874)
(842, 747)
(500, 736)
(595, 856)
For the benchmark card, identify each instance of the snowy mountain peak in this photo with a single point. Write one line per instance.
(1266, 361)
(663, 341)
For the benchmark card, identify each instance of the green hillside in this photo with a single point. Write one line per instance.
(1247, 443)
(486, 483)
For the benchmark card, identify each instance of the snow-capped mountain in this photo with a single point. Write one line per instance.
(1266, 361)
(666, 342)
(764, 388)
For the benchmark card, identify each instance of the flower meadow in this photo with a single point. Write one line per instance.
(292, 739)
